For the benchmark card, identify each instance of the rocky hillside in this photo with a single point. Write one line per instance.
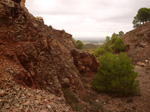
(138, 44)
(34, 56)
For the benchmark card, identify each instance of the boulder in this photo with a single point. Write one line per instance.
(2, 93)
(40, 19)
(141, 64)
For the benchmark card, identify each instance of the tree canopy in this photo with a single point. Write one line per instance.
(79, 44)
(116, 75)
(143, 15)
(112, 44)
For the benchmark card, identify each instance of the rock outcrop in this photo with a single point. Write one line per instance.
(138, 43)
(85, 63)
(38, 56)
(21, 2)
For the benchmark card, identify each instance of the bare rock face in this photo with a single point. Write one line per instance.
(21, 2)
(40, 56)
(85, 62)
(138, 43)
(40, 19)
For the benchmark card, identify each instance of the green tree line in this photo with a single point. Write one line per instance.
(142, 16)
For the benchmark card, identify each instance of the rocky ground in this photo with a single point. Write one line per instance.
(139, 103)
(16, 98)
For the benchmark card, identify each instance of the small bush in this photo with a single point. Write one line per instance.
(102, 50)
(118, 45)
(79, 44)
(116, 75)
(105, 48)
(114, 37)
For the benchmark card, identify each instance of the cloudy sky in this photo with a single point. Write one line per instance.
(87, 18)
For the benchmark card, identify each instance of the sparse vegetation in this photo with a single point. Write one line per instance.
(105, 48)
(79, 44)
(118, 45)
(116, 75)
(113, 44)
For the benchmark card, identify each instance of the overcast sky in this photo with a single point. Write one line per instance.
(88, 18)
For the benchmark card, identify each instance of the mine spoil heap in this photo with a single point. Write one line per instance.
(37, 62)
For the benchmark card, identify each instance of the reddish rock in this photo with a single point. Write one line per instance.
(21, 2)
(40, 19)
(85, 63)
(2, 93)
(141, 64)
(40, 56)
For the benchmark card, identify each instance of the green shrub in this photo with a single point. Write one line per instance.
(99, 51)
(102, 50)
(118, 45)
(114, 37)
(115, 44)
(79, 44)
(116, 75)
(105, 48)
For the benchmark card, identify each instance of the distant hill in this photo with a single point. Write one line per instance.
(90, 39)
(90, 46)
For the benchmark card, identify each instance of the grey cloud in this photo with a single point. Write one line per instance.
(88, 17)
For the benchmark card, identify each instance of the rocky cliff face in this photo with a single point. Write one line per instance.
(138, 43)
(38, 56)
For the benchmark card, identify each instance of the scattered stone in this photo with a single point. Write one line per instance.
(29, 94)
(97, 101)
(6, 105)
(142, 45)
(38, 97)
(141, 64)
(37, 101)
(48, 106)
(66, 82)
(146, 61)
(27, 103)
(17, 105)
(2, 93)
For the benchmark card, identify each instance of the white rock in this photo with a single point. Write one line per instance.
(141, 64)
(48, 106)
(146, 61)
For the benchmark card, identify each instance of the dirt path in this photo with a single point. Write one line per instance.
(144, 78)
